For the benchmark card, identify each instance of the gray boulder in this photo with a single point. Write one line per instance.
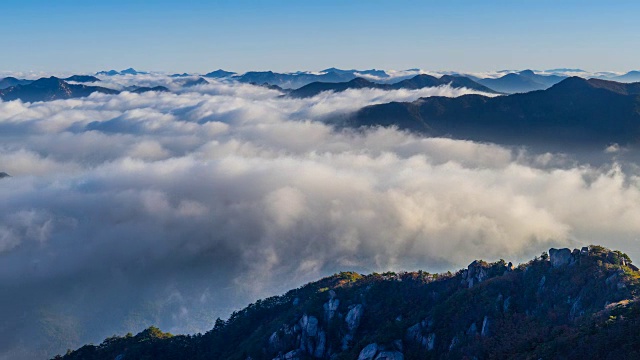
(560, 257)
(475, 274)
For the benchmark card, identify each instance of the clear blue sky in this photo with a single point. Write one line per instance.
(284, 35)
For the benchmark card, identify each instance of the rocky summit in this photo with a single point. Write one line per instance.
(564, 304)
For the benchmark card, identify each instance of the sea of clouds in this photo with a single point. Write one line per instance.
(172, 209)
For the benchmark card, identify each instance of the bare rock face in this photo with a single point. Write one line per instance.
(312, 339)
(560, 257)
(475, 274)
(330, 308)
(419, 334)
(309, 325)
(506, 305)
(283, 339)
(454, 342)
(576, 309)
(321, 344)
(354, 316)
(486, 327)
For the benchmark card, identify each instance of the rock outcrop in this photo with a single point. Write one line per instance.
(352, 320)
(354, 316)
(560, 257)
(476, 273)
(331, 306)
(421, 334)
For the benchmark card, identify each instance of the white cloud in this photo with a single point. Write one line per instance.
(147, 205)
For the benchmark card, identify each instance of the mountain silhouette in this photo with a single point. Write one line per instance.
(519, 82)
(11, 81)
(52, 88)
(82, 78)
(573, 112)
(416, 82)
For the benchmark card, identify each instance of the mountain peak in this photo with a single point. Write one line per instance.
(48, 82)
(571, 83)
(219, 74)
(527, 72)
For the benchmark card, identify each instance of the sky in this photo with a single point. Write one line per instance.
(289, 35)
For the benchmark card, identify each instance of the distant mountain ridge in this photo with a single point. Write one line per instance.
(520, 82)
(53, 88)
(564, 304)
(129, 71)
(218, 74)
(11, 81)
(82, 78)
(573, 112)
(297, 79)
(630, 77)
(416, 82)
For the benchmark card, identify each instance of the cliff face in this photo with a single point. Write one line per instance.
(565, 304)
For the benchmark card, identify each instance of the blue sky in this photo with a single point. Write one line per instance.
(285, 35)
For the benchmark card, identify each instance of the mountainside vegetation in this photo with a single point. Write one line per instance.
(561, 305)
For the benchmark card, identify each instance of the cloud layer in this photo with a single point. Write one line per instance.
(172, 209)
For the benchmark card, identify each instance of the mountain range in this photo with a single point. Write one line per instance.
(53, 88)
(574, 112)
(291, 81)
(297, 79)
(416, 82)
(564, 304)
(129, 71)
